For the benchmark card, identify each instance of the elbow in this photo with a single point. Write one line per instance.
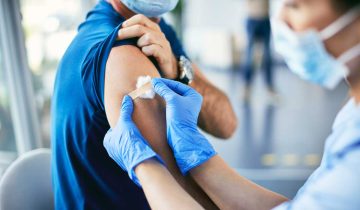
(230, 128)
(227, 130)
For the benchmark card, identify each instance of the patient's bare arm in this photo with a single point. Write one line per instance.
(217, 116)
(124, 66)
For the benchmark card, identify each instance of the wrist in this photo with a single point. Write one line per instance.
(175, 66)
(145, 165)
(172, 71)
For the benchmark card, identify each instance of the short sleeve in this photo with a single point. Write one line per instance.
(336, 188)
(171, 36)
(94, 67)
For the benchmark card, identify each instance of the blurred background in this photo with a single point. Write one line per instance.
(282, 128)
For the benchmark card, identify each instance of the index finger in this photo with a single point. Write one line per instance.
(142, 20)
(175, 86)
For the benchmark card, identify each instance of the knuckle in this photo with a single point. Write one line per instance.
(148, 38)
(141, 17)
(162, 35)
(156, 27)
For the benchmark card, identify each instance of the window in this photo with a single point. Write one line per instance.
(49, 26)
(7, 137)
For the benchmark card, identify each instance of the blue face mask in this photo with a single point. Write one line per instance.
(151, 8)
(306, 55)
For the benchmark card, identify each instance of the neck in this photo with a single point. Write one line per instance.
(120, 8)
(354, 79)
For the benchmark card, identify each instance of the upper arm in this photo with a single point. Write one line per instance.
(125, 64)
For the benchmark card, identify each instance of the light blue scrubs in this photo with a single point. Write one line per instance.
(336, 183)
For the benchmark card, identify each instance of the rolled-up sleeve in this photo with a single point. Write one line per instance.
(337, 187)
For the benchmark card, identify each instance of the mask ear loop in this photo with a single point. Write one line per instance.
(347, 57)
(340, 23)
(350, 54)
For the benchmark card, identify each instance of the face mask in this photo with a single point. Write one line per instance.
(305, 53)
(151, 8)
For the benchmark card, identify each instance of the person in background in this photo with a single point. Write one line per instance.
(258, 29)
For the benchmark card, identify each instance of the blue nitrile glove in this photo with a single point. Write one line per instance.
(125, 144)
(183, 105)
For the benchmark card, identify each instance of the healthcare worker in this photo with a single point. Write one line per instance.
(321, 43)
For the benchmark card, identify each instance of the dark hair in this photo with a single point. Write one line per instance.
(345, 5)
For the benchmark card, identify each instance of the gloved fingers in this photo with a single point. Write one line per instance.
(175, 86)
(163, 90)
(107, 139)
(127, 108)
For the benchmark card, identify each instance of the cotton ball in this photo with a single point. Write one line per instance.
(149, 93)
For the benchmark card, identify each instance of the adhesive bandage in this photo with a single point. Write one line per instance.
(144, 89)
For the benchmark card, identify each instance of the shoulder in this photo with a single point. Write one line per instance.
(124, 65)
(127, 59)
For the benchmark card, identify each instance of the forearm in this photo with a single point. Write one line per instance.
(217, 116)
(231, 191)
(161, 189)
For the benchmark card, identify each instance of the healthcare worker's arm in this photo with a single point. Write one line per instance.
(125, 64)
(161, 189)
(194, 153)
(217, 116)
(229, 190)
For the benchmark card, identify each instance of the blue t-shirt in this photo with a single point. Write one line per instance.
(84, 176)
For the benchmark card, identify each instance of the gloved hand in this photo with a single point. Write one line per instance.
(183, 105)
(125, 144)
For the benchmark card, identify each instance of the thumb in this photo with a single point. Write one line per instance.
(127, 108)
(162, 89)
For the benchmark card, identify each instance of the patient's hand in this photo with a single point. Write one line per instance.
(152, 42)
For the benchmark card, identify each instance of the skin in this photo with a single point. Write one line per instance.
(149, 115)
(301, 15)
(153, 42)
(127, 63)
(224, 186)
(152, 175)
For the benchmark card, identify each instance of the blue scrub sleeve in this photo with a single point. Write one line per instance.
(337, 188)
(94, 67)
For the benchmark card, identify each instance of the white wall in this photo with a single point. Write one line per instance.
(214, 32)
(210, 27)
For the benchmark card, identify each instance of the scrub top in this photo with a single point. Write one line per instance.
(84, 176)
(335, 184)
